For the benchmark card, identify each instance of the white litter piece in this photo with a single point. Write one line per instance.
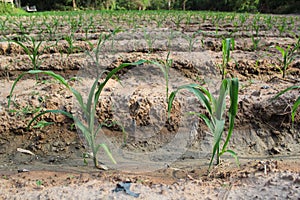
(25, 151)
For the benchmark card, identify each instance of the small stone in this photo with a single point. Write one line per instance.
(265, 87)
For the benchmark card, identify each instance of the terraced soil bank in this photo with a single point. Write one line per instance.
(166, 159)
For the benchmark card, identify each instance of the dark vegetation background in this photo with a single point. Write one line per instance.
(254, 6)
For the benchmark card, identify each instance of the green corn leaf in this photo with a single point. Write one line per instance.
(219, 128)
(85, 131)
(27, 51)
(60, 79)
(170, 101)
(233, 154)
(294, 109)
(52, 74)
(49, 111)
(112, 73)
(89, 103)
(106, 149)
(13, 87)
(220, 104)
(92, 92)
(296, 104)
(207, 121)
(280, 49)
(198, 91)
(79, 99)
(286, 90)
(233, 93)
(57, 77)
(227, 46)
(92, 121)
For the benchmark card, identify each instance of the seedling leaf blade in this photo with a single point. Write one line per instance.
(233, 93)
(49, 111)
(294, 109)
(217, 138)
(111, 74)
(233, 154)
(107, 151)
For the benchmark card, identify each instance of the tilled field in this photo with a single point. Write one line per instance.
(79, 45)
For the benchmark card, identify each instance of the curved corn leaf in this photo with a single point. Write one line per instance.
(207, 121)
(294, 109)
(170, 102)
(297, 102)
(57, 77)
(198, 91)
(286, 90)
(51, 73)
(112, 73)
(106, 149)
(13, 87)
(85, 131)
(233, 154)
(49, 111)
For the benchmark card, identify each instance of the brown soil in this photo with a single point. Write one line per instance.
(163, 159)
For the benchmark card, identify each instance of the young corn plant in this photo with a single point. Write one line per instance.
(227, 46)
(282, 27)
(287, 57)
(150, 39)
(296, 104)
(32, 51)
(255, 42)
(191, 39)
(87, 125)
(165, 68)
(95, 53)
(71, 47)
(216, 118)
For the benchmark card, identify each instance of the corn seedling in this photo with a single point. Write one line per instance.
(296, 104)
(216, 110)
(95, 55)
(282, 26)
(178, 20)
(32, 51)
(39, 183)
(255, 42)
(287, 56)
(71, 47)
(165, 68)
(88, 127)
(21, 27)
(170, 38)
(191, 39)
(227, 46)
(150, 39)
